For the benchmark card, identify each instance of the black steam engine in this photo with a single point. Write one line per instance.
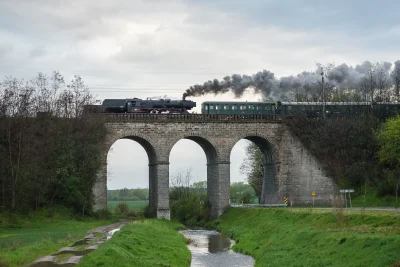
(136, 105)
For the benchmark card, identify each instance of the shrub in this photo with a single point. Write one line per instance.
(122, 208)
(148, 212)
(103, 214)
(190, 211)
(131, 214)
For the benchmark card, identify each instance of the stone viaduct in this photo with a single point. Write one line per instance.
(289, 168)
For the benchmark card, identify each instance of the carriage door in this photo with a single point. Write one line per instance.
(205, 109)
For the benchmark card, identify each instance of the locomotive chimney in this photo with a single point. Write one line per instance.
(184, 97)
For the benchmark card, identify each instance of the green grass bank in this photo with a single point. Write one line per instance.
(39, 234)
(372, 200)
(143, 243)
(284, 238)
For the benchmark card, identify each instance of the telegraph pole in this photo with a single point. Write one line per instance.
(323, 94)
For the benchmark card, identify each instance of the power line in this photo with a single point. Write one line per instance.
(136, 85)
(139, 70)
(136, 88)
(141, 91)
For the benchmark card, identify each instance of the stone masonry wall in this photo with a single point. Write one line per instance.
(301, 174)
(298, 173)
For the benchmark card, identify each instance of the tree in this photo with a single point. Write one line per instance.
(389, 152)
(382, 80)
(187, 205)
(396, 79)
(253, 167)
(79, 95)
(180, 184)
(16, 105)
(241, 192)
(200, 188)
(370, 81)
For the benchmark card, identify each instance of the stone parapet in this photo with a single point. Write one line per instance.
(167, 118)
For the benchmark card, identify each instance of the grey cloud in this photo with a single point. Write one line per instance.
(179, 37)
(357, 17)
(37, 51)
(5, 49)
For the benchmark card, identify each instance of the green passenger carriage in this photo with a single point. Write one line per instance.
(214, 107)
(309, 109)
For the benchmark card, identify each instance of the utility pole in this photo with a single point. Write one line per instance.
(323, 93)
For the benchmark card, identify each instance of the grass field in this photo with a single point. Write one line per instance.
(38, 235)
(278, 237)
(138, 205)
(143, 243)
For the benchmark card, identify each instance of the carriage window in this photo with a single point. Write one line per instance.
(267, 107)
(211, 107)
(226, 107)
(217, 107)
(206, 107)
(251, 107)
(234, 107)
(289, 107)
(242, 107)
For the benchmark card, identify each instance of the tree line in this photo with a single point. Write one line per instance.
(126, 194)
(49, 152)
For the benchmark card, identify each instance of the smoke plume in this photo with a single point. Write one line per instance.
(265, 82)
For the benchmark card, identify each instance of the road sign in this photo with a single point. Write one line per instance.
(313, 196)
(286, 200)
(346, 190)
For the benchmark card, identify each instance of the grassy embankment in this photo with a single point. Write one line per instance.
(284, 238)
(137, 205)
(372, 200)
(39, 234)
(143, 243)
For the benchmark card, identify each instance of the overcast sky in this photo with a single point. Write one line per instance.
(128, 48)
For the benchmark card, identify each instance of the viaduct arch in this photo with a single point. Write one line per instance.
(290, 170)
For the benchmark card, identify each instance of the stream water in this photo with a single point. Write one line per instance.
(209, 249)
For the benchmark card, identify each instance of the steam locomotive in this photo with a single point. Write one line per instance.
(136, 105)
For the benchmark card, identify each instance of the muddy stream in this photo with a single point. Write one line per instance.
(209, 249)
